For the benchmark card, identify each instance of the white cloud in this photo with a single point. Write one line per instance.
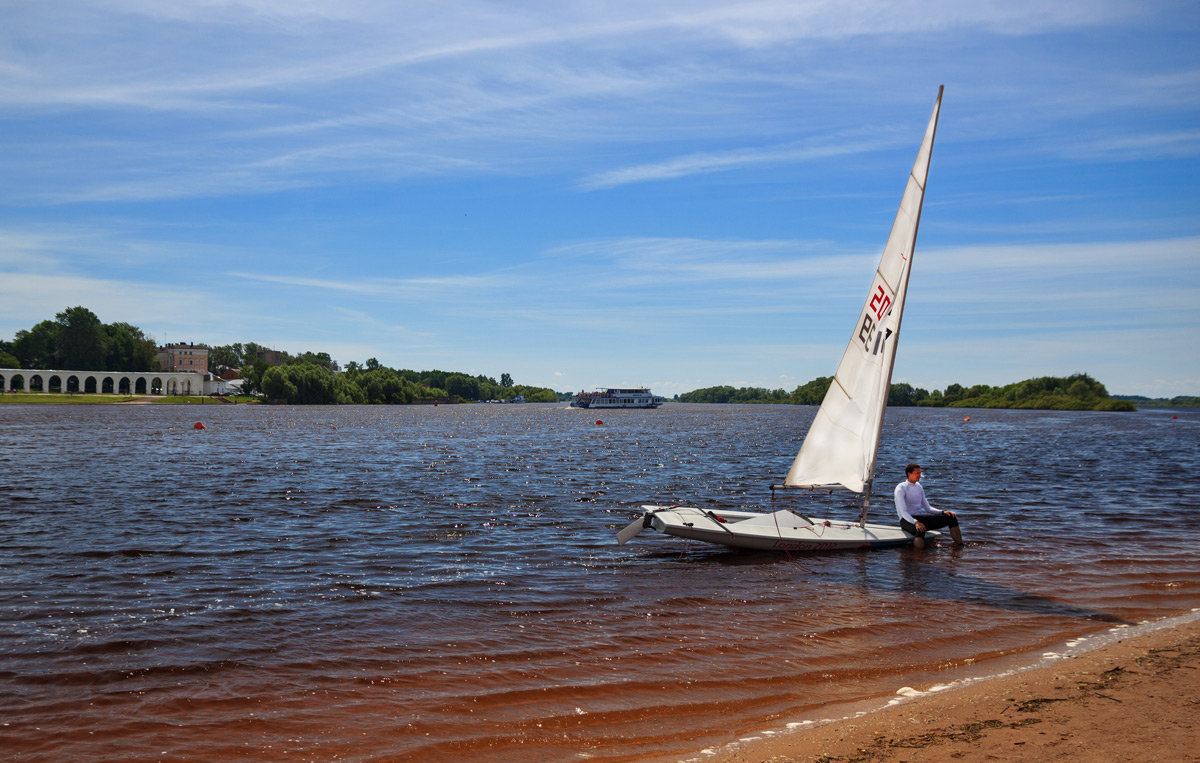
(1034, 260)
(696, 164)
(408, 288)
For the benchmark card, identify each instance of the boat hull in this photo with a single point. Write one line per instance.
(613, 397)
(780, 531)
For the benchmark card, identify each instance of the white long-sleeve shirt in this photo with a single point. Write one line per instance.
(911, 503)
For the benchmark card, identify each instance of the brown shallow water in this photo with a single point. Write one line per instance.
(433, 583)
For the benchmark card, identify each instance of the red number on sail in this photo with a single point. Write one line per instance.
(880, 303)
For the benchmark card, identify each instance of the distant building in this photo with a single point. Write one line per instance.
(191, 358)
(221, 385)
(270, 357)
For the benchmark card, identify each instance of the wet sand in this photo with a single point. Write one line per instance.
(1136, 698)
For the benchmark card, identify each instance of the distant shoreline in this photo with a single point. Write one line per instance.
(75, 398)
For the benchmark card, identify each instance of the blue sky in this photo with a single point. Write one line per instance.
(676, 194)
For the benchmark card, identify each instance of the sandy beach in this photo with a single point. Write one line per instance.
(1135, 698)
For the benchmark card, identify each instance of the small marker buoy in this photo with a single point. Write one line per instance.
(198, 425)
(599, 423)
(966, 418)
(1174, 417)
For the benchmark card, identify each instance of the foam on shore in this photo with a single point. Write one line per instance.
(1073, 648)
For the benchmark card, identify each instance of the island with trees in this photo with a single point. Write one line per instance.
(1078, 392)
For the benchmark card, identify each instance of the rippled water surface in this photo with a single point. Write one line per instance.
(430, 583)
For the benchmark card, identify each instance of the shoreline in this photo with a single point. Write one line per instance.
(1127, 693)
(105, 398)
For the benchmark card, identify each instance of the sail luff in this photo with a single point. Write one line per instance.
(840, 447)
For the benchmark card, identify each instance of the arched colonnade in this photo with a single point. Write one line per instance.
(100, 382)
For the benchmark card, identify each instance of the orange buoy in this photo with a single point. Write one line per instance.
(198, 425)
(966, 418)
(599, 422)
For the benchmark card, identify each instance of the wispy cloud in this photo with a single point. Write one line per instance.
(266, 98)
(408, 288)
(1035, 260)
(696, 164)
(1176, 144)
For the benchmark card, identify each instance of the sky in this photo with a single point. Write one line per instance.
(671, 194)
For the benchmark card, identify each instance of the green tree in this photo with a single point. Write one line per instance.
(935, 399)
(309, 384)
(434, 379)
(37, 347)
(224, 358)
(321, 359)
(904, 394)
(276, 384)
(535, 394)
(8, 360)
(506, 381)
(462, 386)
(128, 349)
(813, 392)
(954, 393)
(252, 375)
(82, 340)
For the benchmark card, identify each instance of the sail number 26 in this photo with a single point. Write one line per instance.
(878, 307)
(880, 303)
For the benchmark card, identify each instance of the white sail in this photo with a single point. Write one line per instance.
(839, 450)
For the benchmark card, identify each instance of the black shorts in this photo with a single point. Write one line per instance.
(933, 522)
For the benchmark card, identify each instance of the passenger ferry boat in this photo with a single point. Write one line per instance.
(638, 397)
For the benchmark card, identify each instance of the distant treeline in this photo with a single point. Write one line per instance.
(313, 378)
(1180, 401)
(311, 384)
(1079, 392)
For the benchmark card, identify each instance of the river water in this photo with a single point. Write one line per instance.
(442, 582)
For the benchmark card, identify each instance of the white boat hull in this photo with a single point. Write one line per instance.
(840, 448)
(613, 397)
(780, 531)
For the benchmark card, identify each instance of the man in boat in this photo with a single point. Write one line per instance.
(916, 515)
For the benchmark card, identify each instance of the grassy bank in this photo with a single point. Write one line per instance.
(60, 398)
(65, 398)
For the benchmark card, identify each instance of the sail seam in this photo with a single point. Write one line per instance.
(842, 388)
(887, 283)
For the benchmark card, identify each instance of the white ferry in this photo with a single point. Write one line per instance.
(638, 397)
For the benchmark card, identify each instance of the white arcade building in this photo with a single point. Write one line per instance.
(106, 382)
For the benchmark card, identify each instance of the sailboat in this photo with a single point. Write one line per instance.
(839, 451)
